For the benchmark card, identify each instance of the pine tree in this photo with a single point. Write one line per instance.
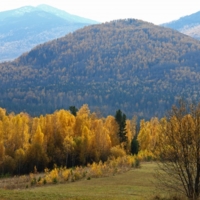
(134, 146)
(121, 120)
(73, 110)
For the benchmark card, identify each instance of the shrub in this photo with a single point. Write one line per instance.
(65, 174)
(117, 151)
(54, 175)
(110, 167)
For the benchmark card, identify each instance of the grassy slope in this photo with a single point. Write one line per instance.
(135, 184)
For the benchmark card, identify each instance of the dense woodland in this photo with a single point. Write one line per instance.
(63, 138)
(129, 64)
(79, 138)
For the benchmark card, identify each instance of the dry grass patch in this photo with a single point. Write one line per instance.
(135, 184)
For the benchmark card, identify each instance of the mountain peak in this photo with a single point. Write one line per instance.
(25, 9)
(189, 25)
(23, 28)
(65, 15)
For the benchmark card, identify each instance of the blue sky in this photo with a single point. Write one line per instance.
(155, 11)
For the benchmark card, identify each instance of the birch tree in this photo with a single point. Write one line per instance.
(179, 147)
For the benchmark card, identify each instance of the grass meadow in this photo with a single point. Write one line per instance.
(136, 184)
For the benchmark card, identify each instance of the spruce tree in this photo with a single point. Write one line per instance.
(134, 146)
(121, 120)
(73, 110)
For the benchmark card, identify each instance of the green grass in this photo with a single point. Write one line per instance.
(136, 184)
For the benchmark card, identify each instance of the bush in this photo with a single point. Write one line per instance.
(117, 151)
(110, 167)
(65, 174)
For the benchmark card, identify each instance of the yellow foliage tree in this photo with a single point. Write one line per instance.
(38, 137)
(179, 148)
(69, 146)
(86, 144)
(102, 141)
(19, 159)
(112, 127)
(148, 135)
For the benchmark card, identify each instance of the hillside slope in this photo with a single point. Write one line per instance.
(189, 25)
(22, 29)
(126, 64)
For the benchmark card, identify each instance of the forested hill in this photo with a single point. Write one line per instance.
(129, 64)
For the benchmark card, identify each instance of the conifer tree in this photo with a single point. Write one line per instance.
(134, 146)
(73, 110)
(121, 120)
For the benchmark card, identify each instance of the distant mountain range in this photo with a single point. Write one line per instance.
(22, 29)
(131, 65)
(189, 25)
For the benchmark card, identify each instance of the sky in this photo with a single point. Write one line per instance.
(155, 11)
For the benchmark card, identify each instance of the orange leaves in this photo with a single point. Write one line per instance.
(38, 137)
(149, 134)
(60, 138)
(64, 122)
(2, 113)
(112, 127)
(101, 140)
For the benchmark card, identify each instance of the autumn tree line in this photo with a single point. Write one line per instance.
(175, 142)
(78, 137)
(65, 138)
